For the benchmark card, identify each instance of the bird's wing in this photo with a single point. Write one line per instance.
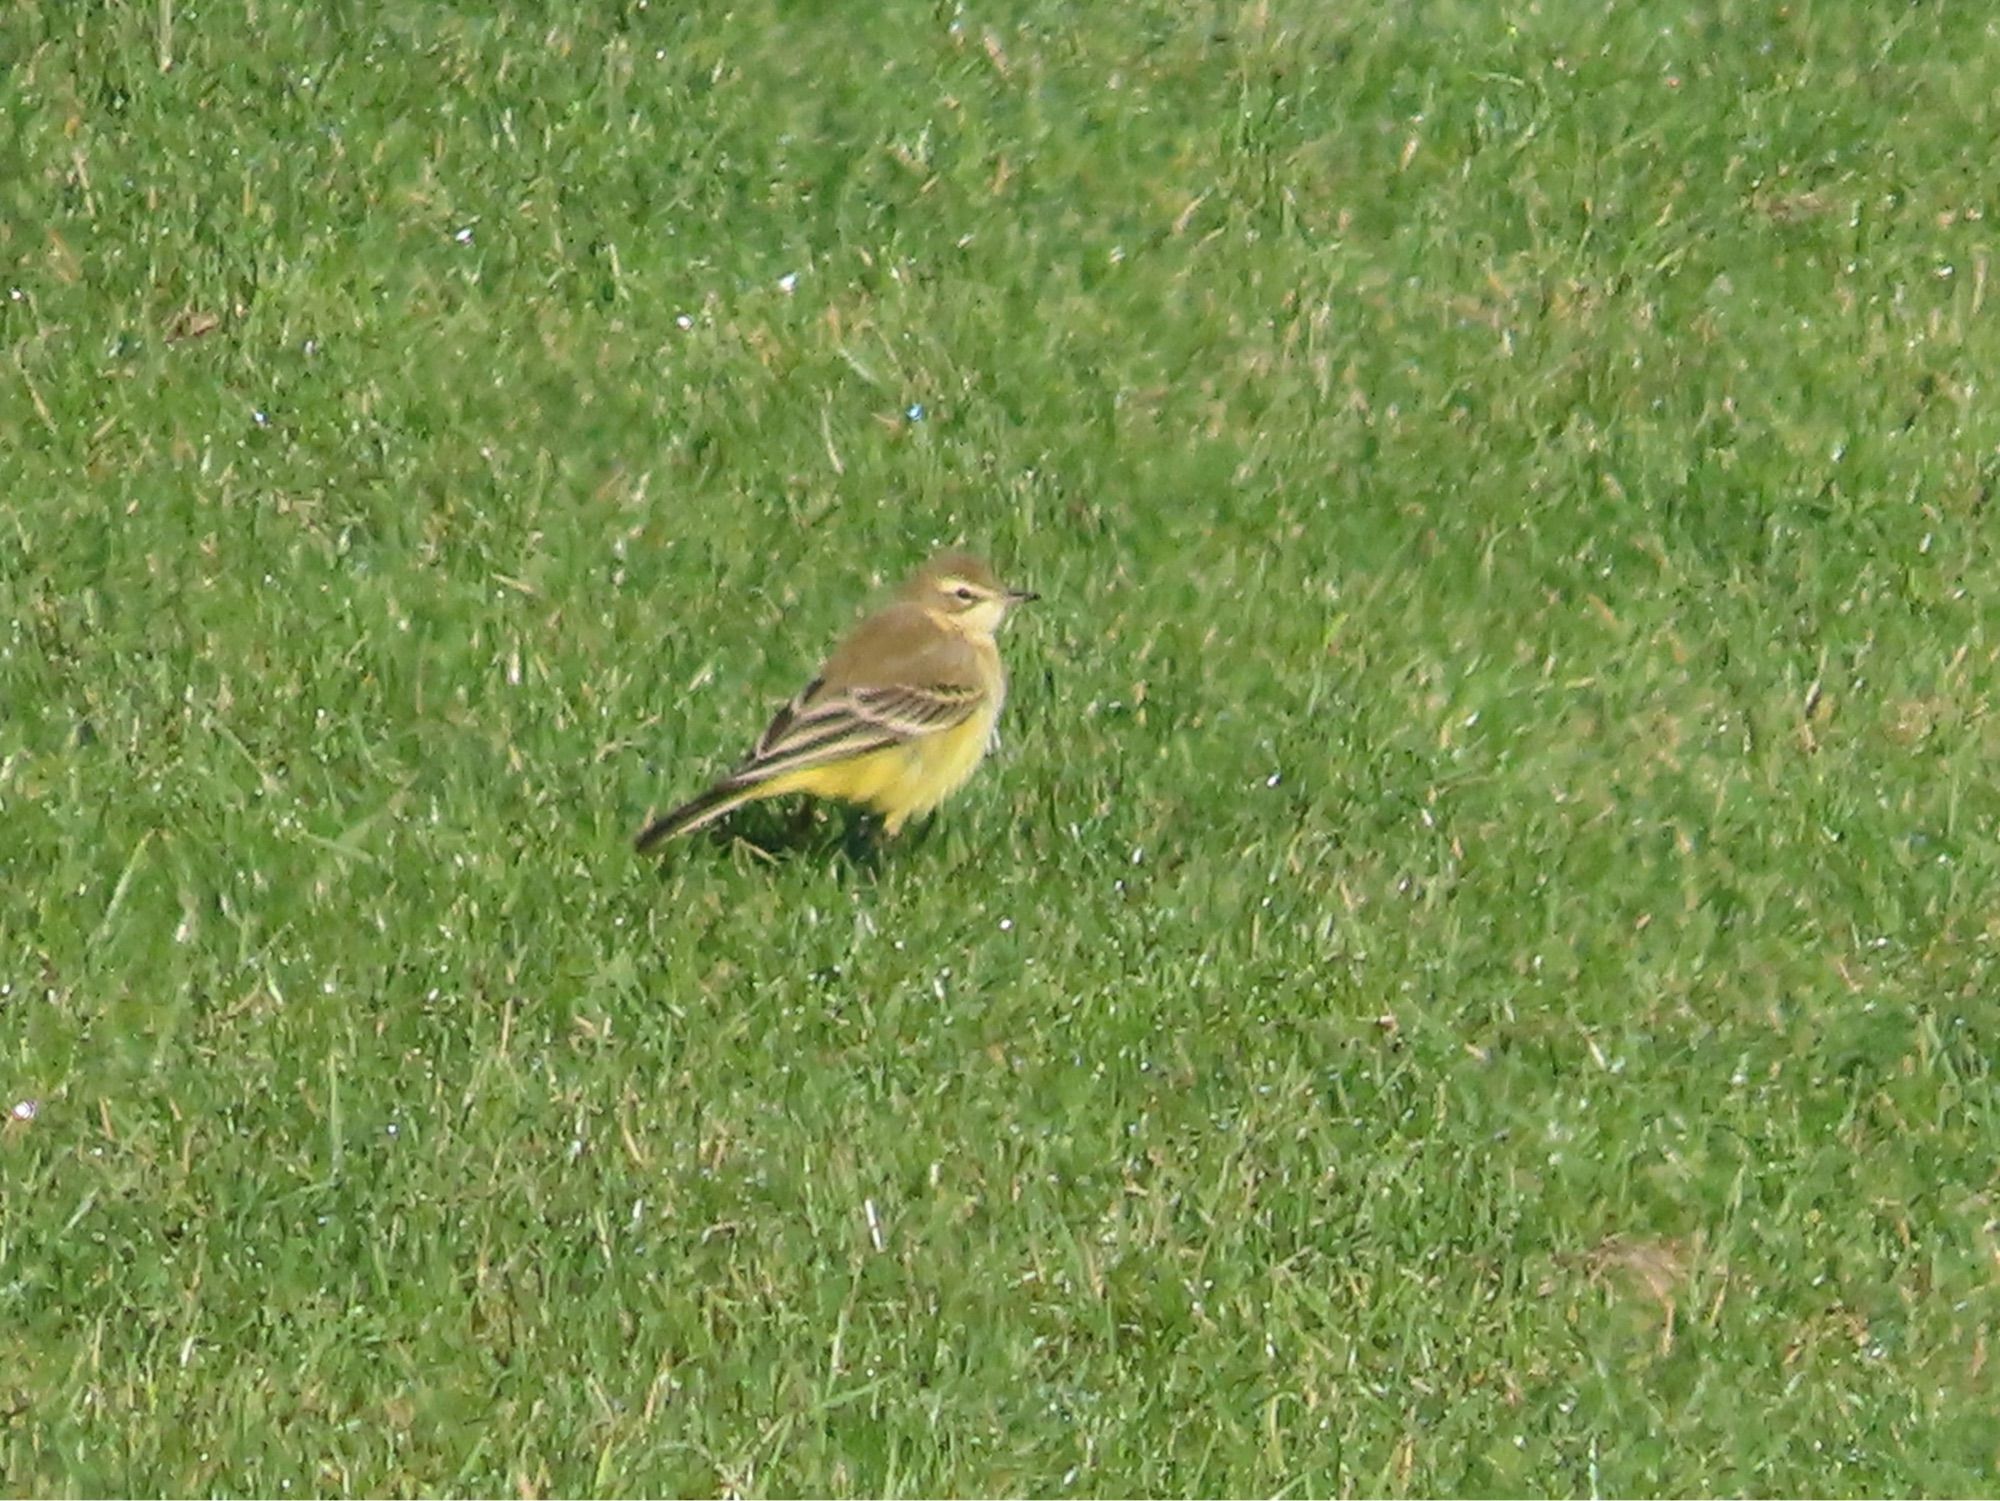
(898, 677)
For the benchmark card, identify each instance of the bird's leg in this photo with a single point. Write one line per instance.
(863, 841)
(802, 821)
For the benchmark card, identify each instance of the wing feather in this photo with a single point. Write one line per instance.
(915, 710)
(853, 723)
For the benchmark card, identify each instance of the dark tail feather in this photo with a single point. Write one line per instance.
(698, 813)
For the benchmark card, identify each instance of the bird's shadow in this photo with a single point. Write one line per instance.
(809, 831)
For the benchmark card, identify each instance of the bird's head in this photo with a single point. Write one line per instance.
(959, 589)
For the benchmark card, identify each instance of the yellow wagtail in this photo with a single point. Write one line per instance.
(896, 719)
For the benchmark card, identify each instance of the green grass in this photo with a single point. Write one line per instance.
(1474, 972)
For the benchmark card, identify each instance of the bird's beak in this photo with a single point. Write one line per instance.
(1021, 596)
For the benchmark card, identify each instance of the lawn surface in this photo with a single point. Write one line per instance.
(1473, 971)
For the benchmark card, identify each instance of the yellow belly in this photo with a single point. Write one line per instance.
(900, 782)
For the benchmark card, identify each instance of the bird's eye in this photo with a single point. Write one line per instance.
(965, 594)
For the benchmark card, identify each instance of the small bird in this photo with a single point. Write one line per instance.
(897, 718)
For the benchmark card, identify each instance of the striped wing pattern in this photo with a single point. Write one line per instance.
(812, 730)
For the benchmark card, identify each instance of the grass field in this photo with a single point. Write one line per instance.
(1474, 971)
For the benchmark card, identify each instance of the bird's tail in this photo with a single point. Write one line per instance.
(700, 812)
